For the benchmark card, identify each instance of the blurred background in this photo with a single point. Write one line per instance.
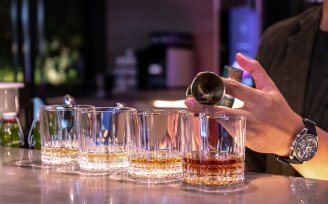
(108, 46)
(126, 50)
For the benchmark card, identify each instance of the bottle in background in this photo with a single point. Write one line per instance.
(167, 62)
(10, 132)
(34, 140)
(125, 71)
(37, 138)
(230, 73)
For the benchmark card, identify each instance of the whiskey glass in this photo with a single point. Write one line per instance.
(155, 146)
(214, 151)
(59, 139)
(103, 133)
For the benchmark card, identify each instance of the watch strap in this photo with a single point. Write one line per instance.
(310, 126)
(287, 160)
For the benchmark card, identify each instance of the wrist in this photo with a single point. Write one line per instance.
(304, 146)
(295, 126)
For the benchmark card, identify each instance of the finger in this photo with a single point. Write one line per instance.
(241, 91)
(193, 105)
(262, 80)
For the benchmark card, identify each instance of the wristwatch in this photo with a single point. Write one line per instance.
(304, 146)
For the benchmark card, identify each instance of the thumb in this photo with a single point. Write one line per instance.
(262, 80)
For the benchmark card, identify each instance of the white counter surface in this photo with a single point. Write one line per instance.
(28, 184)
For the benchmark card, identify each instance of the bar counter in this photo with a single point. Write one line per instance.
(27, 184)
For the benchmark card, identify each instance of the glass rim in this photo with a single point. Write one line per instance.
(63, 107)
(100, 109)
(217, 115)
(163, 111)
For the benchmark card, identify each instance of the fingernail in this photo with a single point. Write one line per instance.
(242, 55)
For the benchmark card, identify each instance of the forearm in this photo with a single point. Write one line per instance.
(318, 166)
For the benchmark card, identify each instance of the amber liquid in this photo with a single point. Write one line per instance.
(60, 151)
(109, 157)
(103, 161)
(155, 164)
(59, 155)
(212, 169)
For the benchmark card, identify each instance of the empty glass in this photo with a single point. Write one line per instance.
(155, 145)
(59, 140)
(104, 136)
(214, 151)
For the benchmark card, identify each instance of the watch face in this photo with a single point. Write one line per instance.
(306, 147)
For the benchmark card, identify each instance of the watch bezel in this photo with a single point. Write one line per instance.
(298, 142)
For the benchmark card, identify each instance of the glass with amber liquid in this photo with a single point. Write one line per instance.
(214, 152)
(59, 155)
(155, 154)
(60, 142)
(157, 164)
(103, 161)
(104, 135)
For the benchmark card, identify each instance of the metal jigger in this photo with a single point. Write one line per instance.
(207, 88)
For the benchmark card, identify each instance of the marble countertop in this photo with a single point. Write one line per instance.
(33, 184)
